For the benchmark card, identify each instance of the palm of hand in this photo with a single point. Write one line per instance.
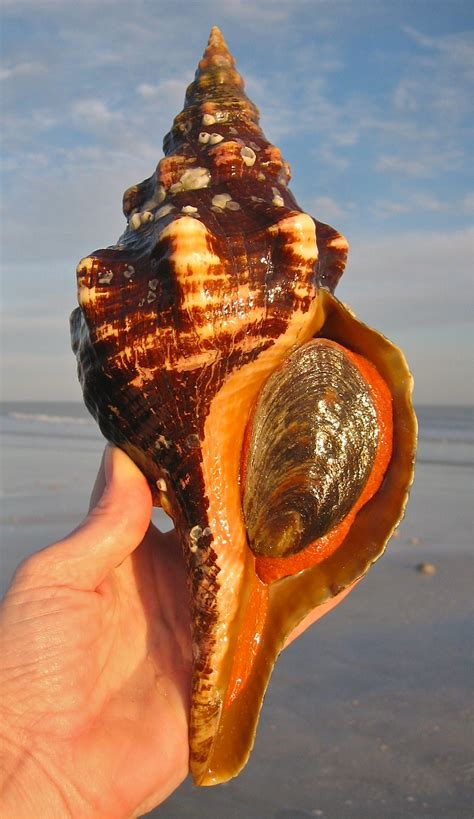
(106, 676)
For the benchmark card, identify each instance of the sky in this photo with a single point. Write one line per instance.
(369, 101)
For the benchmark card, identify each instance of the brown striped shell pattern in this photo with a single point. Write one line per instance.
(274, 427)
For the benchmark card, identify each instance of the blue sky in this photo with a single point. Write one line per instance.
(370, 102)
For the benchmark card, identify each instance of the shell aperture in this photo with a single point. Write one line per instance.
(192, 334)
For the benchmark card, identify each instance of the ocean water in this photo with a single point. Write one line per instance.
(446, 435)
(50, 454)
(369, 714)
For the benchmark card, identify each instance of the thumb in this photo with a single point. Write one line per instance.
(114, 527)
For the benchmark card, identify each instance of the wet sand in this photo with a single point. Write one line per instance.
(369, 714)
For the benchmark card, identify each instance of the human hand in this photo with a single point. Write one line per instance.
(96, 663)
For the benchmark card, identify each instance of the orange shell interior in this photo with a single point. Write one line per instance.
(274, 610)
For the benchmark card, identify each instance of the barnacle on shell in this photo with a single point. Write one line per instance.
(276, 428)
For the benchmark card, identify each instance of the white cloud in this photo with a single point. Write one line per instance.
(21, 69)
(468, 203)
(405, 96)
(387, 207)
(331, 158)
(74, 204)
(425, 131)
(58, 4)
(454, 48)
(331, 64)
(166, 96)
(414, 129)
(21, 134)
(326, 209)
(426, 201)
(92, 112)
(423, 162)
(412, 202)
(268, 12)
(444, 97)
(346, 138)
(405, 165)
(146, 90)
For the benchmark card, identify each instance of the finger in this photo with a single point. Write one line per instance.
(317, 613)
(114, 527)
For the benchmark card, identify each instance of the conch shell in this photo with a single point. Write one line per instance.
(275, 428)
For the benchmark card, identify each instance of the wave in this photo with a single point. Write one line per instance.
(445, 462)
(445, 438)
(50, 419)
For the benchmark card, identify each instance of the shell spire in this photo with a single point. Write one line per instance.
(216, 96)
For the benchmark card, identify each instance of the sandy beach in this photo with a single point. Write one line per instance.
(369, 714)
